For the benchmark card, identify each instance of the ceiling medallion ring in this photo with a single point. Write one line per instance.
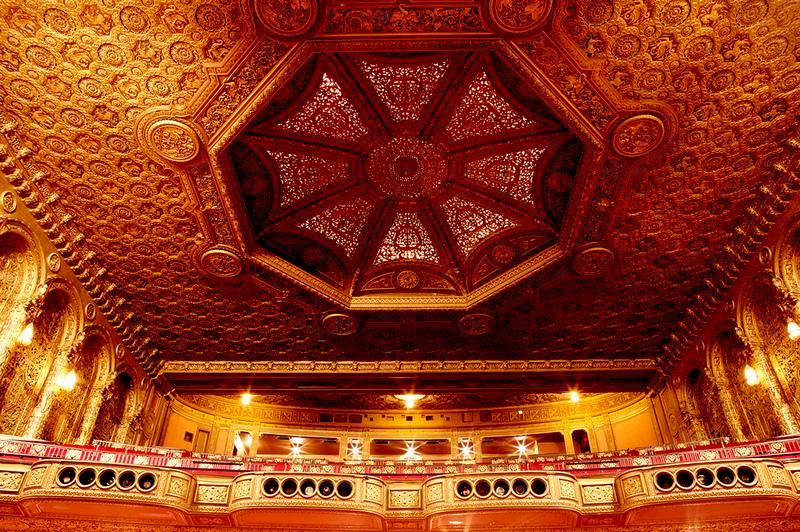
(407, 167)
(170, 139)
(638, 135)
(339, 324)
(221, 262)
(288, 19)
(476, 324)
(518, 18)
(593, 261)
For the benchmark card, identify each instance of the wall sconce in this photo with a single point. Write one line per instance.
(67, 381)
(26, 336)
(793, 329)
(751, 375)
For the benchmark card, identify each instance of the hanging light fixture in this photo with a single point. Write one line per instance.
(26, 336)
(411, 451)
(466, 448)
(246, 398)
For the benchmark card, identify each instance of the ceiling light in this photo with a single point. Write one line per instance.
(519, 412)
(574, 396)
(296, 440)
(26, 336)
(793, 329)
(246, 398)
(354, 449)
(751, 375)
(410, 399)
(67, 381)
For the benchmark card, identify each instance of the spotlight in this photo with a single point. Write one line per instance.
(793, 329)
(574, 396)
(246, 398)
(297, 446)
(67, 381)
(410, 399)
(751, 375)
(26, 336)
(520, 412)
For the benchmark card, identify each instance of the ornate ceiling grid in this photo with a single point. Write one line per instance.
(77, 80)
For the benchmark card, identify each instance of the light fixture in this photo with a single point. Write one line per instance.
(411, 451)
(26, 336)
(296, 440)
(574, 396)
(751, 375)
(466, 448)
(354, 449)
(246, 398)
(520, 412)
(793, 329)
(522, 446)
(67, 381)
(297, 448)
(410, 399)
(248, 440)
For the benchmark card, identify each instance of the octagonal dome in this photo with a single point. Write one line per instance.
(406, 174)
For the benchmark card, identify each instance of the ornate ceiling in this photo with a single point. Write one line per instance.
(538, 193)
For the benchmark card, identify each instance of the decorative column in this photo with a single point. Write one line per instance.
(780, 405)
(62, 361)
(728, 406)
(98, 394)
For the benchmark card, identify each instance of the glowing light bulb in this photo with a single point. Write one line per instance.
(751, 375)
(67, 381)
(410, 399)
(354, 449)
(296, 440)
(246, 398)
(26, 336)
(793, 329)
(574, 396)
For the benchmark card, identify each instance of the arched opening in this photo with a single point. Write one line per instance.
(18, 276)
(112, 411)
(64, 419)
(27, 366)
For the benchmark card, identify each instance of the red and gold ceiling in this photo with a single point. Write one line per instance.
(369, 195)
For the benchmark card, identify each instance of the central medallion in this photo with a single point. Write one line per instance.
(407, 168)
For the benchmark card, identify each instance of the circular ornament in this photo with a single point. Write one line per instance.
(407, 168)
(221, 262)
(287, 18)
(173, 140)
(407, 279)
(312, 256)
(90, 311)
(519, 16)
(765, 256)
(120, 351)
(54, 262)
(593, 261)
(8, 201)
(476, 324)
(503, 253)
(638, 135)
(339, 324)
